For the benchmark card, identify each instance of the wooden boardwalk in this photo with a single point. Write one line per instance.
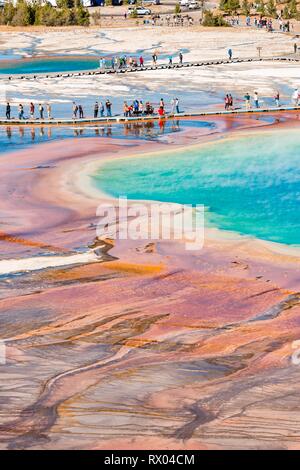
(122, 119)
(32, 76)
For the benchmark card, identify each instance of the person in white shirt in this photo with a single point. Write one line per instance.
(295, 97)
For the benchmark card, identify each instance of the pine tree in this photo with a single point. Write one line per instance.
(246, 7)
(286, 13)
(223, 5)
(261, 7)
(293, 9)
(234, 5)
(271, 9)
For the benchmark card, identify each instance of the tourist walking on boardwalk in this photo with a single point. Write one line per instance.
(230, 102)
(8, 110)
(177, 105)
(141, 61)
(96, 109)
(41, 111)
(161, 112)
(170, 60)
(136, 107)
(101, 109)
(80, 109)
(247, 101)
(162, 103)
(49, 110)
(180, 58)
(141, 108)
(173, 106)
(295, 48)
(295, 97)
(21, 112)
(125, 109)
(154, 58)
(277, 99)
(230, 54)
(226, 104)
(108, 108)
(255, 99)
(31, 110)
(75, 110)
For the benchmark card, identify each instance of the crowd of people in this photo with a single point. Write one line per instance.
(255, 102)
(123, 62)
(101, 109)
(137, 107)
(261, 22)
(171, 20)
(31, 111)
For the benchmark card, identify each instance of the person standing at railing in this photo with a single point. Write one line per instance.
(101, 109)
(31, 110)
(41, 111)
(74, 110)
(96, 109)
(108, 108)
(247, 101)
(21, 112)
(49, 110)
(173, 106)
(8, 110)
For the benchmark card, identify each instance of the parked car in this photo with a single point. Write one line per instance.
(140, 11)
(193, 5)
(184, 3)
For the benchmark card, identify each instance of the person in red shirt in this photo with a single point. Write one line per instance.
(161, 111)
(141, 61)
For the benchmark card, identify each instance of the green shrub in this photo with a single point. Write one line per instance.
(246, 8)
(213, 20)
(229, 5)
(69, 12)
(271, 9)
(177, 9)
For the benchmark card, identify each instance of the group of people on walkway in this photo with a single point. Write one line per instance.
(32, 111)
(250, 101)
(99, 109)
(263, 23)
(137, 108)
(122, 62)
(253, 101)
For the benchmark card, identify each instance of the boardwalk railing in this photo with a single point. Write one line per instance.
(32, 76)
(122, 119)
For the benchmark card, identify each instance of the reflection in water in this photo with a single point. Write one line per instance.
(8, 132)
(14, 138)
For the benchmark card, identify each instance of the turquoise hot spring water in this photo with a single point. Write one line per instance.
(249, 185)
(48, 65)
